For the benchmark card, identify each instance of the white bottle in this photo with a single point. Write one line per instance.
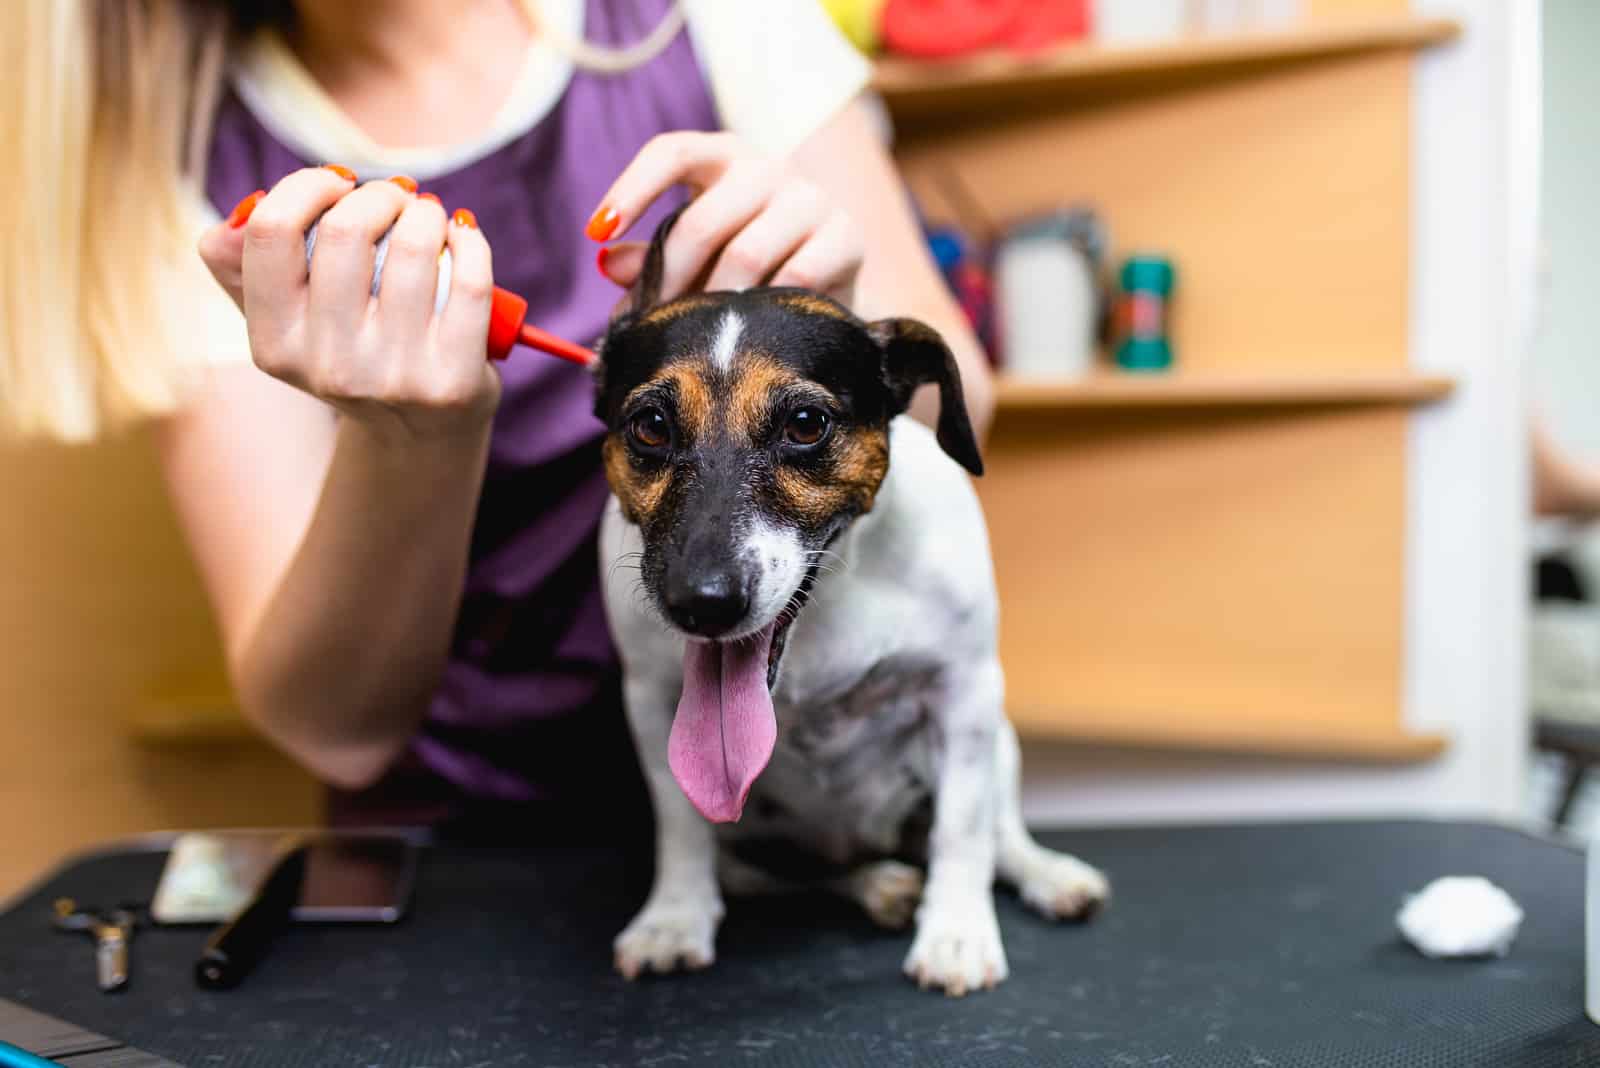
(1224, 16)
(1046, 299)
(1279, 14)
(1139, 21)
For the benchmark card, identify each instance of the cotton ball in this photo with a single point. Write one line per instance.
(1460, 916)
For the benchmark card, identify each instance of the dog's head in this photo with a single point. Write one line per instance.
(745, 431)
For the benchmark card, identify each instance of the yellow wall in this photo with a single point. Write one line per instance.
(99, 611)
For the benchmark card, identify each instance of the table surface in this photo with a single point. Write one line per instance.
(1224, 946)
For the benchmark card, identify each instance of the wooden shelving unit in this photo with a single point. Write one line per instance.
(1211, 559)
(1221, 390)
(1285, 736)
(192, 719)
(916, 88)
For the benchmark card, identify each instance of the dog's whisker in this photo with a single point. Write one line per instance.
(818, 555)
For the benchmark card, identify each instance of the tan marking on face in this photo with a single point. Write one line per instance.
(811, 304)
(673, 309)
(860, 460)
(639, 492)
(756, 379)
(696, 408)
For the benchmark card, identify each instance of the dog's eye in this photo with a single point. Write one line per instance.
(649, 429)
(806, 427)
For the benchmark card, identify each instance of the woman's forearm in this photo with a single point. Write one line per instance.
(341, 662)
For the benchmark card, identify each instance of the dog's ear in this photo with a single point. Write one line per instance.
(912, 354)
(645, 293)
(641, 297)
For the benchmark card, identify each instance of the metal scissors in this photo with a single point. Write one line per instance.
(112, 932)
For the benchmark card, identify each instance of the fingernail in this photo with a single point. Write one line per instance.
(408, 184)
(431, 196)
(464, 217)
(600, 261)
(602, 224)
(342, 171)
(241, 211)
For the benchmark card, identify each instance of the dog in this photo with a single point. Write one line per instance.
(807, 630)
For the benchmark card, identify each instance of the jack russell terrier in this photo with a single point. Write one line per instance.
(807, 630)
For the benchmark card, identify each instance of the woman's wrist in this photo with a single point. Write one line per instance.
(388, 446)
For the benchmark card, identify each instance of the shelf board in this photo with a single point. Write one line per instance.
(1280, 737)
(1111, 390)
(914, 88)
(208, 721)
(197, 719)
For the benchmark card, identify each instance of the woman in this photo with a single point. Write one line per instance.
(397, 537)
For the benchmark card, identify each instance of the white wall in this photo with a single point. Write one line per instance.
(1566, 362)
(1475, 181)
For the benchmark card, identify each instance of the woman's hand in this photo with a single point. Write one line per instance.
(754, 221)
(388, 362)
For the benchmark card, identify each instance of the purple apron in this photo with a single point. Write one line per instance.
(525, 734)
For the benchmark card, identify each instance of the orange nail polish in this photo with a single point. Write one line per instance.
(602, 224)
(343, 172)
(241, 211)
(600, 261)
(408, 184)
(431, 196)
(464, 217)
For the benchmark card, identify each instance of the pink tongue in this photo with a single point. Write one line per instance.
(723, 734)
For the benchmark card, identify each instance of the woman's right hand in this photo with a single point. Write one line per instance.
(388, 362)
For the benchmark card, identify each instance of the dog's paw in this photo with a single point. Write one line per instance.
(1063, 887)
(889, 890)
(958, 949)
(668, 935)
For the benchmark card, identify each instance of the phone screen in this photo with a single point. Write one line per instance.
(349, 877)
(359, 879)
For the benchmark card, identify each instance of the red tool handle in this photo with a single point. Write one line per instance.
(508, 326)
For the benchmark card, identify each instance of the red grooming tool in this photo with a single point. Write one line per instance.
(508, 326)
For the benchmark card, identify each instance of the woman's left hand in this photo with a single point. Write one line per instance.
(754, 221)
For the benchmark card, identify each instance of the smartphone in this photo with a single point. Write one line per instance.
(350, 877)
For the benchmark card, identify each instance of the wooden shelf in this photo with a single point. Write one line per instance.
(1283, 737)
(913, 88)
(1110, 390)
(190, 720)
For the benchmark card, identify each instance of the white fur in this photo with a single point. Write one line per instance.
(727, 341)
(781, 560)
(891, 687)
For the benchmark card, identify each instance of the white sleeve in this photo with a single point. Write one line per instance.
(779, 69)
(214, 324)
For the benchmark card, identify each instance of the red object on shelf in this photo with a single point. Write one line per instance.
(1044, 23)
(942, 29)
(946, 29)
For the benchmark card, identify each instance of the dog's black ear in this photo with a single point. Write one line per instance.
(645, 293)
(642, 296)
(913, 353)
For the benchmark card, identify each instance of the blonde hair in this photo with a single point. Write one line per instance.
(116, 96)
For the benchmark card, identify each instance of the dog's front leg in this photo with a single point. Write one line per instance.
(678, 924)
(957, 946)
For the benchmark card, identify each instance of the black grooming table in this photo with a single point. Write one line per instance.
(1237, 946)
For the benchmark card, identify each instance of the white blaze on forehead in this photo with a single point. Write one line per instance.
(780, 564)
(727, 341)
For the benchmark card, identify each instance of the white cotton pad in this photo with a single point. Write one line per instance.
(1460, 916)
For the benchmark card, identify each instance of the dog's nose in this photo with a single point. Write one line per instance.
(709, 606)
